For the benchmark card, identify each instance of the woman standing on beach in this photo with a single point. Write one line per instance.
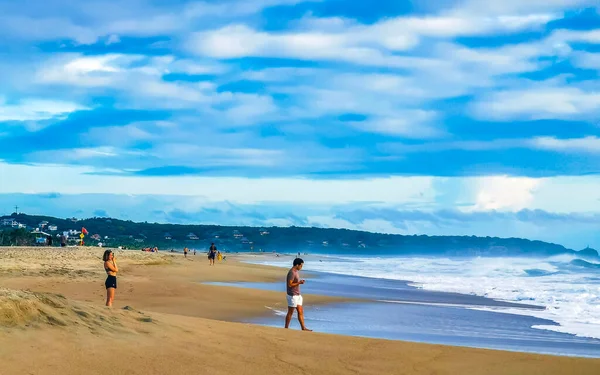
(110, 266)
(212, 253)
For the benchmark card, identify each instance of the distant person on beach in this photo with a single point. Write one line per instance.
(294, 298)
(49, 240)
(212, 253)
(185, 251)
(110, 266)
(63, 240)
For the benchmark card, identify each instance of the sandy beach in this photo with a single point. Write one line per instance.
(166, 321)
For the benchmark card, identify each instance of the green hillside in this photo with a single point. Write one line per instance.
(114, 232)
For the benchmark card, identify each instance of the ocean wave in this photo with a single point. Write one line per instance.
(563, 283)
(585, 264)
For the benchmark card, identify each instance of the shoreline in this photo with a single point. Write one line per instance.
(445, 318)
(484, 301)
(172, 317)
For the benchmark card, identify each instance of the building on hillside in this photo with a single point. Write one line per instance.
(74, 219)
(140, 240)
(43, 224)
(237, 234)
(264, 232)
(168, 236)
(10, 223)
(96, 237)
(192, 236)
(245, 241)
(325, 243)
(52, 228)
(41, 237)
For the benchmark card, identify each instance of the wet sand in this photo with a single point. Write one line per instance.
(165, 321)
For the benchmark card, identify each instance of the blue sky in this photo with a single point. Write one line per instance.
(435, 117)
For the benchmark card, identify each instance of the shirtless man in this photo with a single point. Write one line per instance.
(294, 298)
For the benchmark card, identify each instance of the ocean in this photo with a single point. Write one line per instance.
(544, 305)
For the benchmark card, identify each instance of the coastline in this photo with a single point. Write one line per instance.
(185, 317)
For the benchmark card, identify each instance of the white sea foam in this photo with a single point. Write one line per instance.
(570, 294)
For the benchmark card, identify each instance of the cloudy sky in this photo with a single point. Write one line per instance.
(425, 116)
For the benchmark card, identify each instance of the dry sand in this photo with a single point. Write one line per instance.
(52, 321)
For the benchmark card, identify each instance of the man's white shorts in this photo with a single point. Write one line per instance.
(294, 301)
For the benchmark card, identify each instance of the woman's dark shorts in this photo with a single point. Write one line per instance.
(111, 282)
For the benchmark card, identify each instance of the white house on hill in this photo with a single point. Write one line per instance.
(10, 223)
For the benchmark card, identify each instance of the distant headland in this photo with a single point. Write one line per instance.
(23, 229)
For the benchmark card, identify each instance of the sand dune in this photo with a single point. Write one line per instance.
(166, 321)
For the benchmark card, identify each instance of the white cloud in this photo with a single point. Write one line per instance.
(405, 123)
(202, 156)
(250, 109)
(586, 60)
(564, 194)
(87, 71)
(519, 7)
(240, 41)
(274, 75)
(589, 144)
(476, 194)
(339, 40)
(439, 146)
(115, 69)
(86, 23)
(122, 136)
(503, 193)
(37, 109)
(137, 80)
(569, 36)
(535, 103)
(74, 180)
(75, 154)
(194, 67)
(234, 8)
(112, 39)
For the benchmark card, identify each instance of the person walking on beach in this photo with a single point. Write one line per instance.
(212, 253)
(110, 266)
(294, 298)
